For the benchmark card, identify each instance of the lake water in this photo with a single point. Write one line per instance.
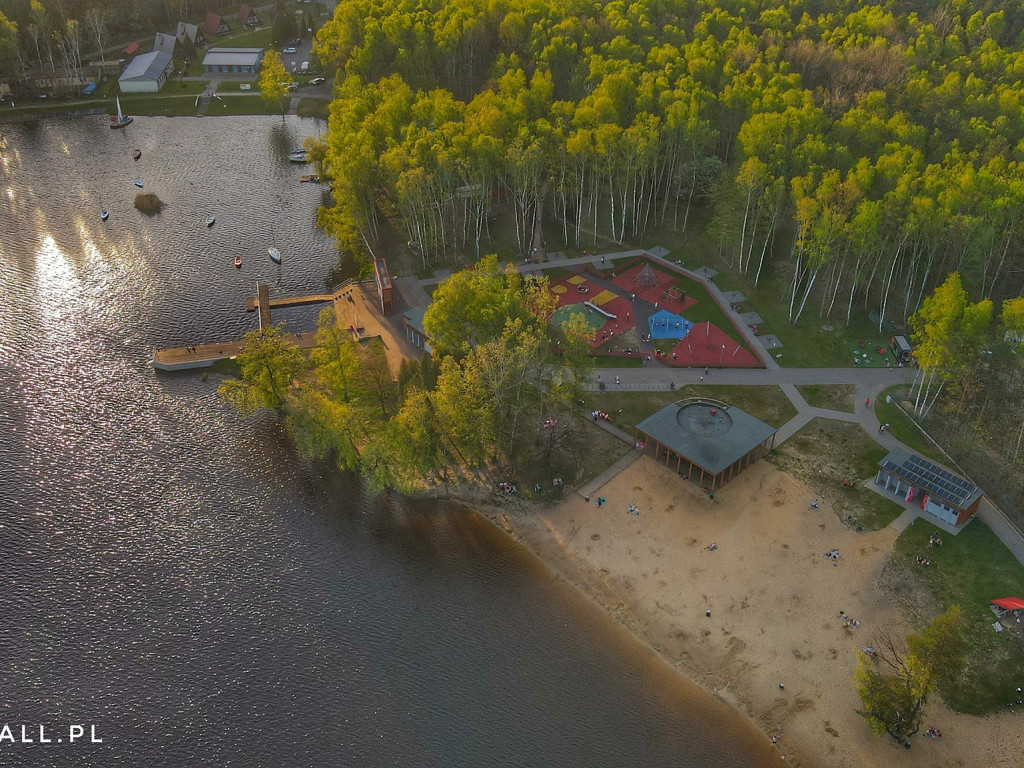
(173, 574)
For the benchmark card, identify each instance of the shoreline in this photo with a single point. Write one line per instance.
(775, 603)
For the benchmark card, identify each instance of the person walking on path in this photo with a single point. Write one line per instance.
(867, 402)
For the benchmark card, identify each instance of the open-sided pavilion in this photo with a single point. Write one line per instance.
(708, 441)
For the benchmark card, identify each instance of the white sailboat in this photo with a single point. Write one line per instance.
(275, 255)
(122, 119)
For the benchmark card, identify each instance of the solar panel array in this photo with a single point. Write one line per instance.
(934, 479)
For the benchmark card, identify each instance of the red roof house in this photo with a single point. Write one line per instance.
(1009, 603)
(215, 25)
(247, 16)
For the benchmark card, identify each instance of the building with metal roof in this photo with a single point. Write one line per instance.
(706, 441)
(949, 497)
(146, 73)
(232, 60)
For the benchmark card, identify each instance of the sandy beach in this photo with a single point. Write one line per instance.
(775, 600)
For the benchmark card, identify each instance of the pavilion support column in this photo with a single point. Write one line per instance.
(679, 462)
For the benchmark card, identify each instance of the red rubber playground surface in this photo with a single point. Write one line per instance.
(703, 346)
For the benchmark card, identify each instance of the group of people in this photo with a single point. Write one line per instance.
(922, 560)
(852, 623)
(883, 427)
(507, 487)
(712, 546)
(639, 445)
(557, 482)
(600, 501)
(834, 554)
(601, 415)
(933, 732)
(634, 510)
(935, 540)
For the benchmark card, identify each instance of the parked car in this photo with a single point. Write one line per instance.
(294, 41)
(317, 81)
(290, 49)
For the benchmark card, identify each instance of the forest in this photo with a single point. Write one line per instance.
(848, 156)
(863, 151)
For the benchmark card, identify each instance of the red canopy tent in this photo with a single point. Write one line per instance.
(1009, 603)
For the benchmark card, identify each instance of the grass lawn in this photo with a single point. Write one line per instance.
(969, 570)
(257, 38)
(234, 86)
(836, 397)
(824, 455)
(630, 408)
(310, 107)
(604, 361)
(157, 105)
(172, 87)
(226, 367)
(903, 428)
(243, 105)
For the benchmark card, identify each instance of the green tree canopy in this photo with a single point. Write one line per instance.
(274, 79)
(472, 307)
(269, 364)
(895, 684)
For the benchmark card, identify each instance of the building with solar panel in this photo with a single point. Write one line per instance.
(941, 493)
(707, 441)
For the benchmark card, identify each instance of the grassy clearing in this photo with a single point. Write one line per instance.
(243, 105)
(226, 367)
(235, 86)
(826, 454)
(902, 427)
(630, 408)
(257, 38)
(310, 107)
(157, 105)
(577, 453)
(836, 397)
(969, 570)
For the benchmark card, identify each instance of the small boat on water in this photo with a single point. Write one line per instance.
(138, 183)
(137, 154)
(104, 215)
(238, 262)
(299, 151)
(121, 120)
(275, 255)
(298, 157)
(210, 220)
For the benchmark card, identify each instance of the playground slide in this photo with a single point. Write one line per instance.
(606, 314)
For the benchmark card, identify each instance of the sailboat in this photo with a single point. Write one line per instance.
(275, 255)
(122, 119)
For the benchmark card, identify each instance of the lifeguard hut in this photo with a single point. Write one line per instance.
(384, 287)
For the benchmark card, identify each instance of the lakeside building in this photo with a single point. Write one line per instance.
(146, 73)
(190, 31)
(215, 25)
(412, 324)
(247, 17)
(164, 43)
(949, 497)
(233, 60)
(706, 441)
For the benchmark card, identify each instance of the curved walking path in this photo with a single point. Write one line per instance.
(870, 383)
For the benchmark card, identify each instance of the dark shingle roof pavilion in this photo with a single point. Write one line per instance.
(715, 438)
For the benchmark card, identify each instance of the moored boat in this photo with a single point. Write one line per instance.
(137, 154)
(210, 220)
(275, 255)
(121, 120)
(138, 183)
(238, 262)
(104, 215)
(298, 157)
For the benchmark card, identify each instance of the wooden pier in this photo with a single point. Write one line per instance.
(205, 355)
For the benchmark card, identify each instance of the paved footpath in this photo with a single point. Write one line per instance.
(870, 382)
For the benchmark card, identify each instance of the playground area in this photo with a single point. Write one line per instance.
(612, 301)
